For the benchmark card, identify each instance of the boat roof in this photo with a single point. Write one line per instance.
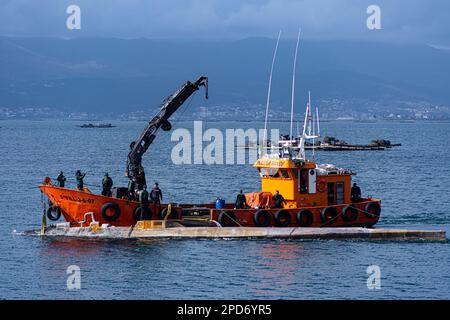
(269, 162)
(293, 163)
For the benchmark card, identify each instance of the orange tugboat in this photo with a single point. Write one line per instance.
(314, 195)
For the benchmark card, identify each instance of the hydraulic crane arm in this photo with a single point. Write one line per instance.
(135, 171)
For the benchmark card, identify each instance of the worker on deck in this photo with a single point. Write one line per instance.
(143, 200)
(107, 184)
(241, 202)
(79, 177)
(131, 190)
(156, 194)
(61, 179)
(278, 199)
(356, 193)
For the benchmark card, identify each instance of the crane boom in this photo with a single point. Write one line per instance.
(135, 171)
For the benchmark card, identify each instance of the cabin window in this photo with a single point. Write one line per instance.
(339, 192)
(303, 181)
(331, 199)
(284, 174)
(269, 172)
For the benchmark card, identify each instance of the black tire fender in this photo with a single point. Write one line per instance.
(305, 218)
(110, 206)
(146, 215)
(349, 213)
(227, 219)
(282, 218)
(328, 215)
(262, 218)
(372, 210)
(56, 210)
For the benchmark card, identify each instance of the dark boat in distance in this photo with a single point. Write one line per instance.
(98, 125)
(333, 144)
(327, 144)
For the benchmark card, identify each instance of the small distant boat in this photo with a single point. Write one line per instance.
(98, 125)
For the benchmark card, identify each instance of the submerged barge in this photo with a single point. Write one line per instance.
(174, 230)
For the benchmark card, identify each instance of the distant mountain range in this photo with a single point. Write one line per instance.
(109, 75)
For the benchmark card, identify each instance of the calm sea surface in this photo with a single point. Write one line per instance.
(413, 182)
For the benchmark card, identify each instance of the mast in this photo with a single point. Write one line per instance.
(264, 142)
(307, 125)
(293, 83)
(313, 124)
(318, 122)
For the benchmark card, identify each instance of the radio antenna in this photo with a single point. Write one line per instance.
(293, 82)
(264, 142)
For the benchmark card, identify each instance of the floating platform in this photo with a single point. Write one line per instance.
(174, 231)
(338, 147)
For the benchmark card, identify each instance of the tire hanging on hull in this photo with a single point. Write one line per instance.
(110, 206)
(54, 213)
(282, 218)
(349, 213)
(372, 210)
(227, 219)
(262, 218)
(139, 215)
(328, 215)
(305, 218)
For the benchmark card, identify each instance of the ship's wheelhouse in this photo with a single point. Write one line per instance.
(302, 183)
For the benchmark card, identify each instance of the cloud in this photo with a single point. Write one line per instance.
(402, 20)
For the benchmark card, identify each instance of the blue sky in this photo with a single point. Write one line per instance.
(402, 20)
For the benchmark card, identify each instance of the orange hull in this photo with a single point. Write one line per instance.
(74, 204)
(246, 217)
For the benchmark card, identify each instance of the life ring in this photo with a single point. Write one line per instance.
(321, 184)
(282, 218)
(56, 210)
(110, 206)
(372, 210)
(227, 219)
(328, 215)
(146, 215)
(349, 213)
(262, 218)
(304, 218)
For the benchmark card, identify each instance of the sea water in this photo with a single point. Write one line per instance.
(412, 181)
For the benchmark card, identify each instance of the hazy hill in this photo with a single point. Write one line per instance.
(118, 75)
